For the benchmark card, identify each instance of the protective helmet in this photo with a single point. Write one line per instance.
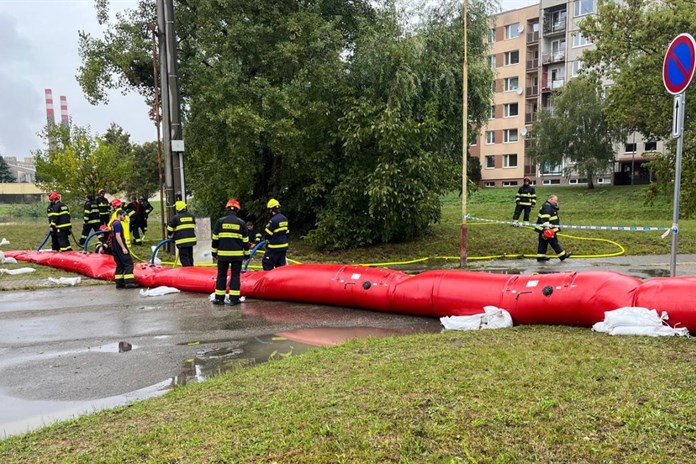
(116, 203)
(272, 203)
(527, 179)
(101, 192)
(549, 233)
(53, 196)
(179, 206)
(232, 203)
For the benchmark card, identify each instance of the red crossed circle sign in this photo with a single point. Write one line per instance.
(679, 63)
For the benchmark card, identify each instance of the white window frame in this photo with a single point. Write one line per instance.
(510, 183)
(489, 184)
(551, 181)
(506, 162)
(508, 135)
(509, 55)
(508, 83)
(491, 35)
(576, 67)
(578, 9)
(507, 107)
(490, 140)
(635, 147)
(512, 31)
(491, 112)
(489, 157)
(580, 40)
(603, 180)
(492, 61)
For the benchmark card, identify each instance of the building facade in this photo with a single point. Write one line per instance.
(535, 51)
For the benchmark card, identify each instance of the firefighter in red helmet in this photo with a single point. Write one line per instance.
(59, 224)
(548, 226)
(230, 247)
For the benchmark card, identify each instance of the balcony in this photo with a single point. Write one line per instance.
(532, 37)
(553, 57)
(533, 64)
(530, 118)
(552, 27)
(557, 84)
(532, 91)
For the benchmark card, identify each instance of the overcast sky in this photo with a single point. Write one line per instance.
(38, 50)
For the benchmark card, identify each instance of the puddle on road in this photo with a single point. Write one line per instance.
(20, 415)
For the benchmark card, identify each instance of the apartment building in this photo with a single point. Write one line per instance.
(535, 51)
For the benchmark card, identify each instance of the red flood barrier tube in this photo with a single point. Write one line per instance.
(572, 298)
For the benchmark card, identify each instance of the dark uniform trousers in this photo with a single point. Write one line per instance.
(124, 267)
(234, 283)
(186, 255)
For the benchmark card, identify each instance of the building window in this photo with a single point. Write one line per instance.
(491, 36)
(511, 83)
(474, 142)
(650, 146)
(512, 57)
(579, 40)
(491, 60)
(490, 162)
(509, 183)
(512, 31)
(630, 148)
(511, 109)
(583, 7)
(490, 137)
(577, 181)
(510, 161)
(551, 181)
(510, 135)
(577, 66)
(551, 169)
(491, 112)
(603, 180)
(489, 184)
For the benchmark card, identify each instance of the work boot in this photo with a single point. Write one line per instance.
(544, 259)
(218, 302)
(566, 256)
(131, 285)
(234, 301)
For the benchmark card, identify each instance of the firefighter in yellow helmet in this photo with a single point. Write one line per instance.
(183, 228)
(276, 233)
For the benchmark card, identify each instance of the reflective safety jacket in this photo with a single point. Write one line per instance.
(59, 215)
(91, 212)
(126, 226)
(132, 209)
(548, 217)
(277, 231)
(230, 238)
(104, 208)
(526, 196)
(183, 227)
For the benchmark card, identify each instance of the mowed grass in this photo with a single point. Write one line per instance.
(528, 394)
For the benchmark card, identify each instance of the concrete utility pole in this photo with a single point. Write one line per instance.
(464, 236)
(173, 145)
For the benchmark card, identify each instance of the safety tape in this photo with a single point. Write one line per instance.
(564, 226)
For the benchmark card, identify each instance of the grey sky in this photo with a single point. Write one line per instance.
(38, 50)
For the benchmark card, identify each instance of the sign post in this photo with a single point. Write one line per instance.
(677, 72)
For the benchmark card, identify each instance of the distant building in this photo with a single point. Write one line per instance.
(535, 51)
(24, 171)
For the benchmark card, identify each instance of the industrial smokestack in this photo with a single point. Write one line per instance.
(50, 115)
(64, 111)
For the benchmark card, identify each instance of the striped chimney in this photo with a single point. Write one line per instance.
(50, 115)
(64, 111)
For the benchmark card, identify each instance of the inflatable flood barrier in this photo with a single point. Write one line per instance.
(576, 299)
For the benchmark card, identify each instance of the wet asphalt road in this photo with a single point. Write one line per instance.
(59, 347)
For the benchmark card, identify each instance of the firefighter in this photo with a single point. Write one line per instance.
(59, 223)
(276, 234)
(229, 248)
(146, 208)
(132, 209)
(254, 236)
(91, 218)
(123, 276)
(183, 227)
(548, 226)
(103, 205)
(524, 200)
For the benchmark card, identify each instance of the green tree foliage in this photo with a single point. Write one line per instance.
(631, 39)
(78, 163)
(576, 131)
(348, 116)
(5, 173)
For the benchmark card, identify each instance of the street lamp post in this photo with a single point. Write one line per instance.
(464, 234)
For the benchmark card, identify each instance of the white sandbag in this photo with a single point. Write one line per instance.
(65, 280)
(637, 321)
(492, 318)
(4, 241)
(158, 291)
(21, 270)
(2, 257)
(7, 260)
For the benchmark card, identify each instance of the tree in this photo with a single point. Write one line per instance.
(78, 164)
(631, 40)
(338, 109)
(575, 131)
(6, 175)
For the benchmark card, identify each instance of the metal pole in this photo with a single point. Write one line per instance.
(164, 86)
(174, 105)
(633, 157)
(677, 187)
(156, 114)
(464, 235)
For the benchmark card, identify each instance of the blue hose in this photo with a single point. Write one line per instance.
(48, 234)
(159, 245)
(89, 237)
(251, 254)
